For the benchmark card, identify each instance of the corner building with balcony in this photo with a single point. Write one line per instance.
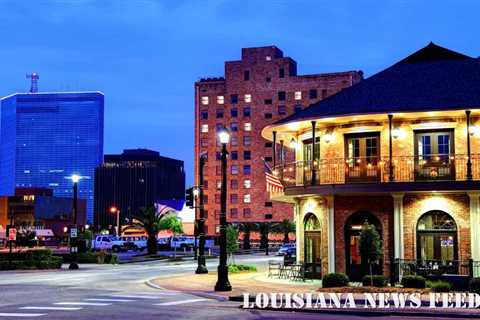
(399, 150)
(261, 88)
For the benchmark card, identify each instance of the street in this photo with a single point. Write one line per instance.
(121, 292)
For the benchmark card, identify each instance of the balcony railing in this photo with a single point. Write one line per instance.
(376, 169)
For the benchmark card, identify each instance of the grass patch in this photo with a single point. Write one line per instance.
(236, 268)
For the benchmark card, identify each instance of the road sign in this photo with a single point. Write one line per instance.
(12, 234)
(73, 232)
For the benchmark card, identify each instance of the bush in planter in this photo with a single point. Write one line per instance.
(440, 286)
(333, 280)
(417, 282)
(376, 281)
(474, 285)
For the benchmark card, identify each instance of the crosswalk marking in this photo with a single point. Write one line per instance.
(21, 315)
(110, 300)
(82, 304)
(52, 308)
(172, 303)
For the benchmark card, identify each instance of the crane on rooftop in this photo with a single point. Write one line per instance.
(34, 85)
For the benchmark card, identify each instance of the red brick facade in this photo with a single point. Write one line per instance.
(271, 82)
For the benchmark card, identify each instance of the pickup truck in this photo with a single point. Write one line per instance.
(134, 242)
(105, 242)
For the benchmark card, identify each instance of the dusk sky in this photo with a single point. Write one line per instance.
(146, 55)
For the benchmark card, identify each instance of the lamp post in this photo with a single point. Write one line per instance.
(115, 210)
(201, 267)
(73, 230)
(222, 282)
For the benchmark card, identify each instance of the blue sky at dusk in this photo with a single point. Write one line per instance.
(145, 55)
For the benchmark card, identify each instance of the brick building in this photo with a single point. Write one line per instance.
(256, 91)
(399, 150)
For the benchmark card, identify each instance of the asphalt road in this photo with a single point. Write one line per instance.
(120, 292)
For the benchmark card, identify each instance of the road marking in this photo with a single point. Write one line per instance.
(82, 304)
(134, 296)
(23, 315)
(110, 300)
(52, 308)
(172, 303)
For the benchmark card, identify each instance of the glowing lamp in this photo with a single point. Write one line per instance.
(224, 136)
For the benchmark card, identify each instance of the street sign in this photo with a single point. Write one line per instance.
(12, 234)
(73, 232)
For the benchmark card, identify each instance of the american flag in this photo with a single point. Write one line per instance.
(274, 185)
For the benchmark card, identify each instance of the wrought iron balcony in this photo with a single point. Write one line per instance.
(433, 167)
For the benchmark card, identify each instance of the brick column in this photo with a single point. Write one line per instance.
(398, 245)
(331, 233)
(475, 225)
(299, 234)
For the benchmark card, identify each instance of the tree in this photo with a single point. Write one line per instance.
(232, 241)
(264, 228)
(284, 227)
(247, 228)
(153, 222)
(370, 246)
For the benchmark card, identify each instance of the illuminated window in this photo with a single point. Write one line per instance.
(204, 128)
(247, 184)
(298, 95)
(219, 184)
(268, 58)
(220, 99)
(248, 98)
(247, 198)
(205, 101)
(247, 126)
(234, 169)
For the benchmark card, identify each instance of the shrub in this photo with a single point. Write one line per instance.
(111, 258)
(376, 281)
(474, 285)
(417, 282)
(234, 268)
(440, 286)
(333, 280)
(100, 255)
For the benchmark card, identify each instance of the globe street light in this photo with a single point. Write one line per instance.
(73, 231)
(115, 210)
(222, 282)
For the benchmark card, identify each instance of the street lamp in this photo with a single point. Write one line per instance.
(201, 265)
(115, 210)
(73, 231)
(222, 282)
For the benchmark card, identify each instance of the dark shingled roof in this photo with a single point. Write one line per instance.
(433, 78)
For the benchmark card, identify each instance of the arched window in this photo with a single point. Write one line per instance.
(313, 246)
(312, 223)
(436, 236)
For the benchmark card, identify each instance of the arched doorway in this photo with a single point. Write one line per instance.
(437, 237)
(313, 242)
(355, 267)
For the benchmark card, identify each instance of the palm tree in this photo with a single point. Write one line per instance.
(247, 228)
(153, 222)
(284, 227)
(264, 228)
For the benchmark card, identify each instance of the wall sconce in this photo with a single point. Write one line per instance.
(397, 133)
(474, 130)
(328, 137)
(293, 144)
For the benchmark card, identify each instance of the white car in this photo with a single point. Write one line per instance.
(134, 242)
(182, 242)
(106, 242)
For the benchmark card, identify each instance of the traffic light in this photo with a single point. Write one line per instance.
(189, 198)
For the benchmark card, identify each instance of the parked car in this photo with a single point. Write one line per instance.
(106, 242)
(182, 242)
(164, 243)
(134, 242)
(287, 249)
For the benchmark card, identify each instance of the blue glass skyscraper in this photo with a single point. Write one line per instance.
(47, 137)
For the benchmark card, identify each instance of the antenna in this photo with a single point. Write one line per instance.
(34, 85)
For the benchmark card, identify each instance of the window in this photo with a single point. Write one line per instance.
(247, 198)
(437, 237)
(204, 142)
(268, 145)
(205, 199)
(268, 58)
(234, 213)
(267, 101)
(313, 93)
(247, 155)
(268, 204)
(247, 169)
(219, 127)
(268, 216)
(282, 110)
(246, 112)
(205, 184)
(234, 98)
(281, 73)
(234, 113)
(433, 150)
(268, 115)
(281, 95)
(217, 228)
(297, 109)
(233, 184)
(205, 215)
(219, 184)
(247, 140)
(204, 115)
(217, 214)
(234, 198)
(268, 79)
(218, 170)
(217, 199)
(219, 113)
(247, 126)
(268, 159)
(247, 213)
(234, 155)
(248, 98)
(220, 99)
(234, 141)
(247, 184)
(246, 75)
(204, 128)
(298, 95)
(218, 155)
(234, 127)
(205, 101)
(234, 169)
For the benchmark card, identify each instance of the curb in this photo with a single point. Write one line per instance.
(201, 294)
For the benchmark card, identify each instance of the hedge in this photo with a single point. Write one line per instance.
(375, 280)
(417, 282)
(333, 280)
